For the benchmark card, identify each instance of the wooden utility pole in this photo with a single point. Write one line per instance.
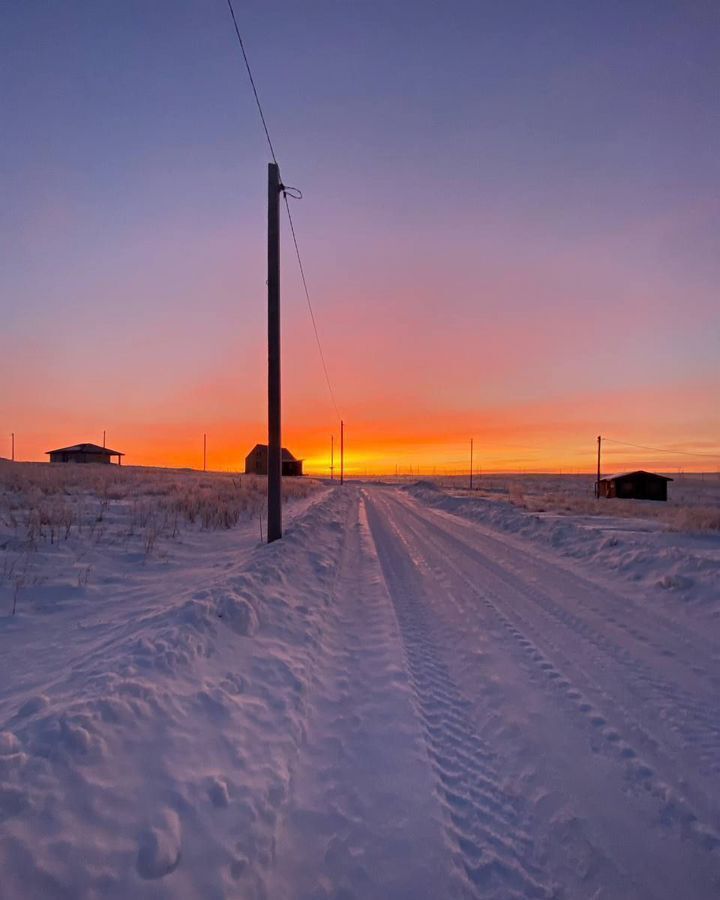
(274, 524)
(342, 452)
(471, 461)
(597, 483)
(12, 457)
(332, 457)
(204, 452)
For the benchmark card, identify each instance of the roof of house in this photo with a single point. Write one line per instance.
(636, 472)
(86, 448)
(286, 454)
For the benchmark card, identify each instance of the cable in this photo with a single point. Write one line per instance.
(296, 194)
(252, 81)
(312, 314)
(662, 449)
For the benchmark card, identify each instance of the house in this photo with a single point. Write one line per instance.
(638, 485)
(256, 462)
(84, 453)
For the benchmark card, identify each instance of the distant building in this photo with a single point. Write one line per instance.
(638, 485)
(256, 462)
(84, 453)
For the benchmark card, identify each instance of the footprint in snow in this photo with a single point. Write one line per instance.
(159, 847)
(9, 743)
(218, 792)
(33, 705)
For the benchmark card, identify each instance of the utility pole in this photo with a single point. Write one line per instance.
(204, 452)
(342, 452)
(597, 483)
(12, 456)
(332, 457)
(103, 437)
(274, 523)
(471, 461)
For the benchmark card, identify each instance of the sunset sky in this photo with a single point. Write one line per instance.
(510, 227)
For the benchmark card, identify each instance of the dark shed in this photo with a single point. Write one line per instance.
(256, 462)
(84, 453)
(638, 485)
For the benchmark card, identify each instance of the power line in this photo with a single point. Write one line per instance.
(252, 81)
(662, 449)
(298, 196)
(312, 314)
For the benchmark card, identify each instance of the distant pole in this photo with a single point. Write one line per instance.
(597, 483)
(204, 452)
(12, 456)
(274, 523)
(471, 461)
(332, 457)
(342, 452)
(103, 437)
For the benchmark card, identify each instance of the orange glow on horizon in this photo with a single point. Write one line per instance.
(555, 436)
(421, 462)
(367, 455)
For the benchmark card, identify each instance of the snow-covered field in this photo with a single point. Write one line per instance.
(674, 546)
(66, 530)
(417, 693)
(693, 500)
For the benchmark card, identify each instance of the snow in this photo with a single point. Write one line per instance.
(136, 707)
(645, 551)
(417, 693)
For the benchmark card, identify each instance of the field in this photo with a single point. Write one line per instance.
(673, 545)
(63, 527)
(693, 500)
(420, 691)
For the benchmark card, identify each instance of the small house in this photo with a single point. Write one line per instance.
(84, 453)
(638, 485)
(256, 462)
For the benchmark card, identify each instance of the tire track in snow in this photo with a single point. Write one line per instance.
(361, 820)
(685, 647)
(684, 654)
(687, 719)
(487, 824)
(532, 623)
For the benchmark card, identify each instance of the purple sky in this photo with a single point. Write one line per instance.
(508, 206)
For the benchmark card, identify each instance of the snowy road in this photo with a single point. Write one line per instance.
(493, 724)
(395, 702)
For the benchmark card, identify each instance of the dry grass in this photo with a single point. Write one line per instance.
(40, 502)
(693, 501)
(67, 528)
